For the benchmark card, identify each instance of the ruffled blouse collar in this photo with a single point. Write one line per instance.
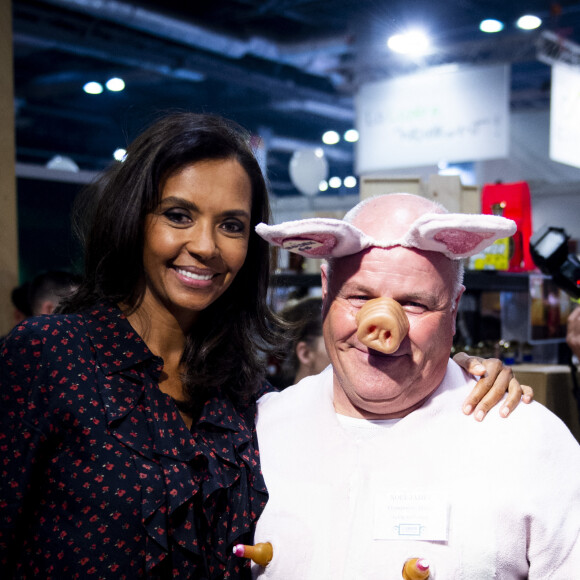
(202, 490)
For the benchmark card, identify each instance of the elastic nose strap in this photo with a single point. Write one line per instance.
(382, 325)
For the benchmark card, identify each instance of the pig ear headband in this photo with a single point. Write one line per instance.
(453, 234)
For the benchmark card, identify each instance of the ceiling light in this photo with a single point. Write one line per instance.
(323, 185)
(335, 182)
(330, 138)
(62, 163)
(490, 25)
(351, 135)
(93, 88)
(413, 42)
(120, 154)
(529, 22)
(115, 84)
(350, 181)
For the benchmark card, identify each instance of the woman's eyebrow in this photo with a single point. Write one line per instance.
(190, 205)
(174, 199)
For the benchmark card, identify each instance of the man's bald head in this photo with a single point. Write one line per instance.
(390, 214)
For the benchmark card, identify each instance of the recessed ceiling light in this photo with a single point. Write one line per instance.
(413, 42)
(351, 135)
(120, 154)
(335, 182)
(115, 84)
(490, 25)
(529, 22)
(62, 163)
(350, 181)
(330, 138)
(93, 88)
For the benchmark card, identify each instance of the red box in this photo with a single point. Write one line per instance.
(512, 200)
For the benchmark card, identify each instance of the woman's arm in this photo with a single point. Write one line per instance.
(21, 372)
(496, 379)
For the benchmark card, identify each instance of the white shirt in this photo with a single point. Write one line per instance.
(497, 499)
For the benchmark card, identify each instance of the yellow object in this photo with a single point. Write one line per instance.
(261, 553)
(494, 257)
(416, 569)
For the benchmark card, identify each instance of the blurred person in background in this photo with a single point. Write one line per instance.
(20, 302)
(306, 354)
(48, 289)
(573, 332)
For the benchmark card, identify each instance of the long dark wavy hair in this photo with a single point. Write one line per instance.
(227, 346)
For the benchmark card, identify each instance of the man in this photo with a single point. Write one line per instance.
(49, 288)
(369, 463)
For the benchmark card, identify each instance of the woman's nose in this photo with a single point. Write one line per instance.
(202, 241)
(382, 325)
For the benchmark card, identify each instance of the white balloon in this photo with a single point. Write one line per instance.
(307, 169)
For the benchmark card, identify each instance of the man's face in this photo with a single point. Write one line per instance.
(371, 384)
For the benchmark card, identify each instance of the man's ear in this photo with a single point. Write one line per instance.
(324, 284)
(456, 308)
(47, 307)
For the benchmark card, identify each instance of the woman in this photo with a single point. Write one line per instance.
(127, 422)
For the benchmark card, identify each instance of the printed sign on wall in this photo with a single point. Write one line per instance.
(438, 115)
(565, 115)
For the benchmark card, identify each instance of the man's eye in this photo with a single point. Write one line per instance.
(414, 307)
(358, 300)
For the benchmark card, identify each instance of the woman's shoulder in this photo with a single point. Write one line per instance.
(49, 329)
(45, 325)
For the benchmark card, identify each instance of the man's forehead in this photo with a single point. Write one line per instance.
(396, 261)
(390, 217)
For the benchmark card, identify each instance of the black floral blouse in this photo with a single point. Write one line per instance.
(100, 477)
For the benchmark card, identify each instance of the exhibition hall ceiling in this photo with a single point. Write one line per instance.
(287, 70)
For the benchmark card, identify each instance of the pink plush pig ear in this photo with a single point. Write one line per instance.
(457, 235)
(316, 237)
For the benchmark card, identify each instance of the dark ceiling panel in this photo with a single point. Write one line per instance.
(285, 69)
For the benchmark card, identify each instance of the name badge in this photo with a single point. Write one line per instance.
(407, 515)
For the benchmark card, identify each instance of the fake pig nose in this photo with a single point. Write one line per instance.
(382, 325)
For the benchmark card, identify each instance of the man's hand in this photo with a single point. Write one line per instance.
(497, 378)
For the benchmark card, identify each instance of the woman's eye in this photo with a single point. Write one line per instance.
(176, 216)
(234, 227)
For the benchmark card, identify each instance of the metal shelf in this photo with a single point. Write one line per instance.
(475, 281)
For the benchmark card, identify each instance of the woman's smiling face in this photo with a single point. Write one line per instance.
(196, 240)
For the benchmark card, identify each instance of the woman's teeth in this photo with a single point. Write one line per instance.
(194, 276)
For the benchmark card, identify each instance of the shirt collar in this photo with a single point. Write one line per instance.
(117, 345)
